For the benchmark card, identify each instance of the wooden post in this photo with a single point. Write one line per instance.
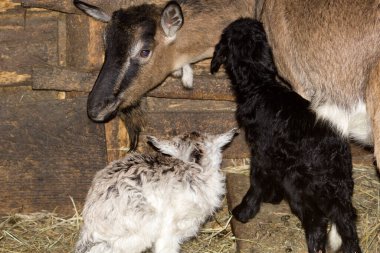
(84, 45)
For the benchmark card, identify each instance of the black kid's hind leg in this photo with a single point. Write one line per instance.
(272, 195)
(313, 222)
(345, 222)
(315, 227)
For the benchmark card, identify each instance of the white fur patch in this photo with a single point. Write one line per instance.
(187, 76)
(177, 73)
(136, 48)
(354, 124)
(335, 241)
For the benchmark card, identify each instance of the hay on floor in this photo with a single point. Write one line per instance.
(48, 232)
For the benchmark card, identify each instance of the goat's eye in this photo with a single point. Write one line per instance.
(144, 53)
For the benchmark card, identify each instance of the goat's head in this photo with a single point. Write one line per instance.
(138, 55)
(195, 147)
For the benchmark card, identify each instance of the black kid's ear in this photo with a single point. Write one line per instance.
(171, 19)
(92, 11)
(218, 58)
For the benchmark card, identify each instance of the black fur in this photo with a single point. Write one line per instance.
(293, 156)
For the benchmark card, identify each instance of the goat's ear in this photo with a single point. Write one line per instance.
(92, 11)
(222, 140)
(218, 58)
(163, 146)
(171, 19)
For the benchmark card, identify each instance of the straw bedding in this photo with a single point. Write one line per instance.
(48, 232)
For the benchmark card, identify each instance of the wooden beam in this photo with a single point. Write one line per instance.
(62, 79)
(67, 6)
(27, 38)
(206, 86)
(84, 45)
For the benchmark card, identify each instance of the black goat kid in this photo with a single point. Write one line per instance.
(293, 155)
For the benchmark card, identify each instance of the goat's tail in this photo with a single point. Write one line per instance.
(335, 241)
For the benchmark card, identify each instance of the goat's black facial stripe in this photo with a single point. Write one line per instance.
(131, 73)
(120, 43)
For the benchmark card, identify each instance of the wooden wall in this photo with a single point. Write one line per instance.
(49, 148)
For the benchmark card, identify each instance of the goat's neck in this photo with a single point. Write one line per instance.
(204, 21)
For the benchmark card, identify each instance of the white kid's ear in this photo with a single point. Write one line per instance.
(171, 19)
(92, 11)
(225, 138)
(164, 146)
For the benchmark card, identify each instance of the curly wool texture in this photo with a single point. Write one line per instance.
(160, 200)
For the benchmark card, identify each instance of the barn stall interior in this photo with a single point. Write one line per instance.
(50, 56)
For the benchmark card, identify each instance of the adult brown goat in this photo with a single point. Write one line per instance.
(328, 49)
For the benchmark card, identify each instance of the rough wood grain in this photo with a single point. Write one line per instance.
(8, 5)
(206, 86)
(117, 139)
(68, 7)
(64, 79)
(49, 151)
(84, 45)
(153, 104)
(27, 39)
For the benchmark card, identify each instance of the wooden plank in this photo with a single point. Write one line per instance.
(27, 39)
(84, 45)
(57, 5)
(62, 40)
(117, 139)
(25, 95)
(206, 86)
(49, 151)
(68, 7)
(153, 104)
(9, 5)
(65, 79)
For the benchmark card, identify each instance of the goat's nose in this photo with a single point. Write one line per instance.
(95, 114)
(102, 111)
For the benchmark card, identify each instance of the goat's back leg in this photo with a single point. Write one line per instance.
(315, 225)
(313, 222)
(373, 108)
(344, 217)
(251, 202)
(272, 194)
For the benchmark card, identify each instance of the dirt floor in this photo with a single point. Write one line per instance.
(275, 229)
